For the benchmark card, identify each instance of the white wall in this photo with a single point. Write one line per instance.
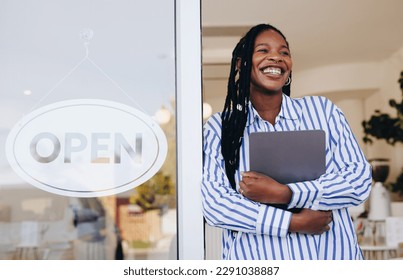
(359, 89)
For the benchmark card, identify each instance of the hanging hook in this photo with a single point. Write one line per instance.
(86, 35)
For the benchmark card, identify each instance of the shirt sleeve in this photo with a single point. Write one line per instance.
(347, 181)
(223, 206)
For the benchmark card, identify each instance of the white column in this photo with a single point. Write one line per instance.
(189, 129)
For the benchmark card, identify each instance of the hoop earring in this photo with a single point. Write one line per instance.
(288, 81)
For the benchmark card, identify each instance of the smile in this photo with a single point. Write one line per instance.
(272, 70)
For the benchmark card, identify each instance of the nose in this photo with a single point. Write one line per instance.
(274, 57)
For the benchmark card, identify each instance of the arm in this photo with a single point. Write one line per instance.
(259, 187)
(226, 208)
(347, 181)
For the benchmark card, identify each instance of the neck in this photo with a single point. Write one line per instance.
(268, 106)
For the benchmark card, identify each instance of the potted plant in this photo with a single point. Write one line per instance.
(383, 126)
(156, 193)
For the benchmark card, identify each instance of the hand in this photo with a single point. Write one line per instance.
(311, 222)
(261, 188)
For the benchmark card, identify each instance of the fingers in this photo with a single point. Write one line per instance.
(322, 230)
(328, 221)
(250, 174)
(330, 217)
(242, 187)
(250, 177)
(318, 222)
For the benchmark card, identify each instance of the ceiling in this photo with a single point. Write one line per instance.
(319, 32)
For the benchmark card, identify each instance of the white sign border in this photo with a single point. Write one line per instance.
(154, 127)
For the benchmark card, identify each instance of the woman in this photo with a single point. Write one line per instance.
(239, 201)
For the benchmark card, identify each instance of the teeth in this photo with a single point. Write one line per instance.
(271, 70)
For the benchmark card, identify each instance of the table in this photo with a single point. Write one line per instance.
(372, 252)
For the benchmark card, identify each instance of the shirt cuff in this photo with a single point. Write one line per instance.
(273, 221)
(305, 194)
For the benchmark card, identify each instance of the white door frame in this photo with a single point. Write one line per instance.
(189, 129)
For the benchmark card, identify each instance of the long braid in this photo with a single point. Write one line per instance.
(235, 112)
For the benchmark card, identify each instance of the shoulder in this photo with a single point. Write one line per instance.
(317, 103)
(312, 99)
(213, 123)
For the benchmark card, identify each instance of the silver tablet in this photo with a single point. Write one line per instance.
(288, 156)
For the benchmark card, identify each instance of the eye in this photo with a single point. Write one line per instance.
(262, 50)
(285, 53)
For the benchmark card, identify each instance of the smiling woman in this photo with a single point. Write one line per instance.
(244, 203)
(271, 57)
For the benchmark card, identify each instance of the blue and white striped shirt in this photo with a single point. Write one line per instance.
(257, 231)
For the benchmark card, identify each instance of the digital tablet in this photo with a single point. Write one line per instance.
(288, 156)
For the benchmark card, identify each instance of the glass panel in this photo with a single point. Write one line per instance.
(115, 55)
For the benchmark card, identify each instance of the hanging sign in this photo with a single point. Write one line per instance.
(86, 148)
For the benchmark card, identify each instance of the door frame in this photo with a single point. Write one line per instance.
(189, 129)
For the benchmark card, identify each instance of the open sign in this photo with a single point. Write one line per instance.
(86, 148)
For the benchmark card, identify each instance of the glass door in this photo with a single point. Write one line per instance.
(90, 97)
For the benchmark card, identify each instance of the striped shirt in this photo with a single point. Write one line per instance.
(252, 230)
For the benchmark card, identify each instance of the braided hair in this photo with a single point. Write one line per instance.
(235, 112)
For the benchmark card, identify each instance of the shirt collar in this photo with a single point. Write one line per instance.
(289, 110)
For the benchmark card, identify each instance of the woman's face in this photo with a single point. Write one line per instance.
(271, 63)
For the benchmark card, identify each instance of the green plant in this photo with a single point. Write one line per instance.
(397, 186)
(383, 126)
(146, 195)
